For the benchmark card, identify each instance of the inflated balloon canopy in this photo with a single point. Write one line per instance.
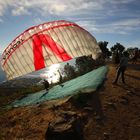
(46, 44)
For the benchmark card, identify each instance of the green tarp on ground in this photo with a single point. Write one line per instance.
(85, 83)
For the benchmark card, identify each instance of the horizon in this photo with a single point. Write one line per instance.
(112, 21)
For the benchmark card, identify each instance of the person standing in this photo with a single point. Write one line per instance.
(122, 68)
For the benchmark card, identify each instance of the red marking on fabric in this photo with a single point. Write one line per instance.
(58, 51)
(38, 33)
(38, 53)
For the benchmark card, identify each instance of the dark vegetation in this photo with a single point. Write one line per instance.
(117, 50)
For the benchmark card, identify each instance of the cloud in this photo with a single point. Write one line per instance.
(3, 7)
(56, 7)
(20, 11)
(135, 43)
(121, 1)
(64, 7)
(90, 14)
(38, 20)
(128, 22)
(126, 26)
(17, 7)
(1, 20)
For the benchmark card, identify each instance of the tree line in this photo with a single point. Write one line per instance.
(117, 50)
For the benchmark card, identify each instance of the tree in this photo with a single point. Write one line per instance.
(133, 54)
(105, 51)
(69, 71)
(130, 52)
(84, 64)
(118, 48)
(117, 51)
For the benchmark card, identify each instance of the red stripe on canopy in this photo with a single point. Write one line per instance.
(58, 51)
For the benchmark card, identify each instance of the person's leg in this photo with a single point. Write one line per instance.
(118, 74)
(123, 71)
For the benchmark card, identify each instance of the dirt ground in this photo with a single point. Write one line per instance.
(113, 113)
